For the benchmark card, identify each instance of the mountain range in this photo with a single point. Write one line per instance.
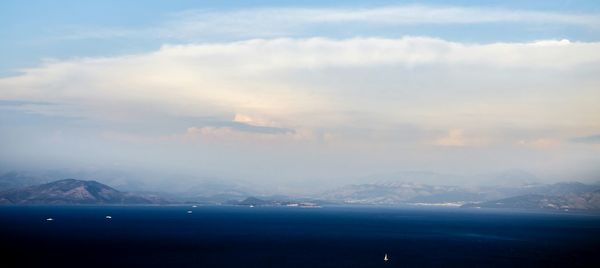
(19, 189)
(563, 195)
(581, 201)
(72, 191)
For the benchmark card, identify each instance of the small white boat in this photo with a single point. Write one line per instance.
(49, 219)
(189, 212)
(194, 206)
(251, 206)
(109, 217)
(385, 258)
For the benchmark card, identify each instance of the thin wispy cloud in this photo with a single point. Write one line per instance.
(592, 139)
(279, 22)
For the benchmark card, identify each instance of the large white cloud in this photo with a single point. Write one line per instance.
(345, 86)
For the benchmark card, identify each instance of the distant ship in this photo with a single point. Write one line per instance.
(385, 258)
(109, 217)
(49, 219)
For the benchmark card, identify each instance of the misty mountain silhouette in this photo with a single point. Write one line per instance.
(581, 201)
(72, 191)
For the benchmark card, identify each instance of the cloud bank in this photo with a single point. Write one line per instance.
(371, 97)
(283, 82)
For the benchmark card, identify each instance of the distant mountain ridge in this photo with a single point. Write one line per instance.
(72, 191)
(392, 193)
(579, 201)
(564, 195)
(396, 193)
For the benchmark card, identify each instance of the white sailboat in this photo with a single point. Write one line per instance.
(385, 258)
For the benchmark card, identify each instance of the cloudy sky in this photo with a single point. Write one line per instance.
(285, 94)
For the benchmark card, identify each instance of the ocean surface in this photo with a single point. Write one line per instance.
(221, 236)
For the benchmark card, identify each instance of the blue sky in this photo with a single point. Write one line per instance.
(282, 92)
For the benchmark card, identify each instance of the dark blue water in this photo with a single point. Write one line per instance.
(168, 236)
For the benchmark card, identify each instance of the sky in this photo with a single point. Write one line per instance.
(290, 94)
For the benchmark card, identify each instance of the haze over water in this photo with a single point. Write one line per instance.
(290, 95)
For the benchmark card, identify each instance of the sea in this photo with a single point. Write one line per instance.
(344, 236)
